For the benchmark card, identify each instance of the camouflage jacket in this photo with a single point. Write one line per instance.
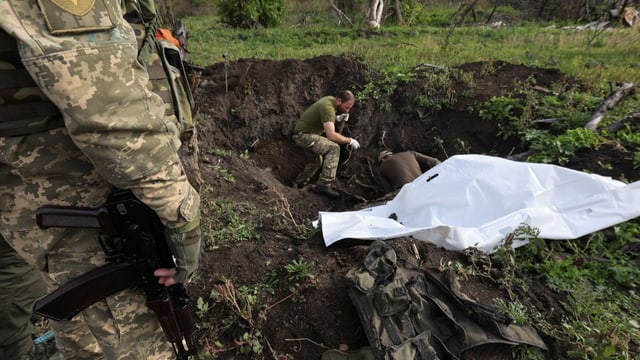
(83, 56)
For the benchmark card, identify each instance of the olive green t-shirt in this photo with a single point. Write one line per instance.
(316, 115)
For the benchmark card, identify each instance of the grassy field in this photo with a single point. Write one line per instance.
(595, 56)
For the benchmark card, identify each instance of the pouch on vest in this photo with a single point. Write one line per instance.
(167, 75)
(167, 78)
(182, 96)
(412, 313)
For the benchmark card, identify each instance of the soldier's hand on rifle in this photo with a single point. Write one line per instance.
(354, 144)
(166, 277)
(342, 117)
(185, 244)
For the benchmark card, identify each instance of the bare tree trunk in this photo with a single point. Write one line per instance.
(587, 10)
(399, 13)
(541, 8)
(612, 100)
(374, 13)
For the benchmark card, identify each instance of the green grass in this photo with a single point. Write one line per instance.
(594, 57)
(226, 222)
(600, 283)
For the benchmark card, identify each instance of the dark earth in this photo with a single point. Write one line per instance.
(250, 106)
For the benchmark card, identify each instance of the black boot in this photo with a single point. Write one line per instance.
(326, 189)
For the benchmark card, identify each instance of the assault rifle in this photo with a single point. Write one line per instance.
(132, 238)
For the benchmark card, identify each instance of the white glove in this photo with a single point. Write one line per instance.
(354, 144)
(342, 117)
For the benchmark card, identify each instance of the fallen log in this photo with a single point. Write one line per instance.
(546, 121)
(609, 103)
(634, 117)
(544, 90)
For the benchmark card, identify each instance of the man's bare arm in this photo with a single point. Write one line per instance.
(333, 135)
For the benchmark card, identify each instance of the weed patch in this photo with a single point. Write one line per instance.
(226, 222)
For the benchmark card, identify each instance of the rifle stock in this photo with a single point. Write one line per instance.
(132, 237)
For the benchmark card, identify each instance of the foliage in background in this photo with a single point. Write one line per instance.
(249, 14)
(551, 125)
(416, 11)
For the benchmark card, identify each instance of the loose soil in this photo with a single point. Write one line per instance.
(250, 107)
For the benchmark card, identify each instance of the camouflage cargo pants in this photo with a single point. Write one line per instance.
(328, 157)
(47, 168)
(23, 284)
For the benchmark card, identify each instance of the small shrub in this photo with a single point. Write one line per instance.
(249, 14)
(561, 148)
(300, 270)
(516, 311)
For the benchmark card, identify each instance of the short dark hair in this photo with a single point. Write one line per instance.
(345, 95)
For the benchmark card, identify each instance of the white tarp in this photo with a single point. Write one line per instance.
(476, 200)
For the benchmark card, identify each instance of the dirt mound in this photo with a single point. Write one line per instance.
(250, 107)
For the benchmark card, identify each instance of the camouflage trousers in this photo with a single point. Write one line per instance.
(23, 284)
(328, 157)
(47, 168)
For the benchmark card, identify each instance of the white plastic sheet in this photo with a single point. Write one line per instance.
(477, 200)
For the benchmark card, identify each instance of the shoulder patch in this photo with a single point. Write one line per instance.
(75, 7)
(79, 16)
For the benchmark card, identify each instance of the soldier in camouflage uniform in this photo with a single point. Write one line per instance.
(321, 118)
(84, 123)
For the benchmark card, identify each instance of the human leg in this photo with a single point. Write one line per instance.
(309, 171)
(22, 285)
(307, 142)
(327, 150)
(331, 156)
(119, 327)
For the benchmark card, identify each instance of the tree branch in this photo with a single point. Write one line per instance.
(340, 13)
